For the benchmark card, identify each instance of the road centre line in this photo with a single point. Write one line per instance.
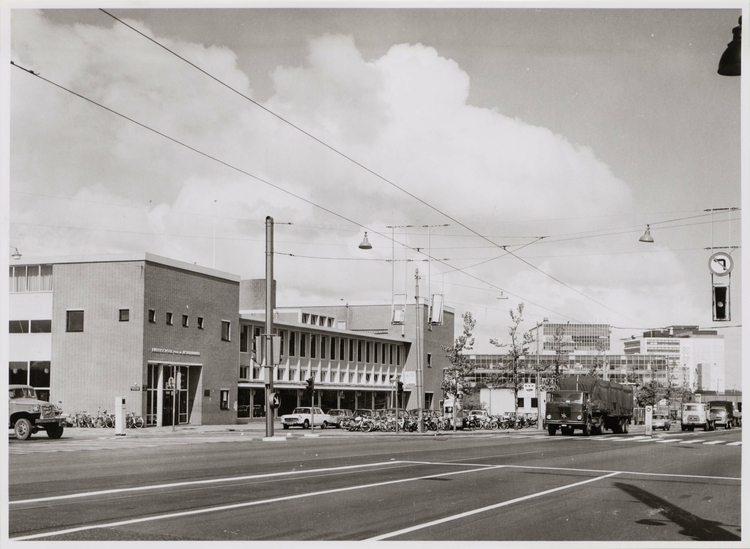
(245, 504)
(484, 509)
(197, 482)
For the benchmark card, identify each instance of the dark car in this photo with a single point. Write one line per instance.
(338, 415)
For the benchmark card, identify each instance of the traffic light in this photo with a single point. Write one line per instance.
(721, 303)
(310, 384)
(400, 388)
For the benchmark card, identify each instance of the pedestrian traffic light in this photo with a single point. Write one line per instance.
(310, 384)
(400, 388)
(721, 303)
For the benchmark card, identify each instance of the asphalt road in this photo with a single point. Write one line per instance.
(522, 486)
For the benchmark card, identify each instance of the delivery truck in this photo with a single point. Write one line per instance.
(589, 404)
(725, 413)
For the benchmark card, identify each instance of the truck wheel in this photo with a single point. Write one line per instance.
(23, 429)
(285, 426)
(684, 427)
(55, 431)
(587, 429)
(552, 429)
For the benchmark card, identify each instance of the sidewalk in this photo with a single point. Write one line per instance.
(259, 429)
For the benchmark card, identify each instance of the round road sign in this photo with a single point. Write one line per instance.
(720, 264)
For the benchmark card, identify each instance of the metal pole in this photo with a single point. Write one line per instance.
(213, 265)
(419, 352)
(269, 324)
(174, 397)
(538, 383)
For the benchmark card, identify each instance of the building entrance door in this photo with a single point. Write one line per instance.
(175, 384)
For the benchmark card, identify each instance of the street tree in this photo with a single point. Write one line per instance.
(455, 377)
(511, 372)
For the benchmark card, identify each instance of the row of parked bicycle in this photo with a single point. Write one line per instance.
(369, 420)
(102, 420)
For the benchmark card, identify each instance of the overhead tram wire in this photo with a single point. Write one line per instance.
(336, 151)
(222, 162)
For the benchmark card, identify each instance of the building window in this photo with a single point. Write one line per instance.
(200, 322)
(351, 350)
(323, 345)
(19, 373)
(375, 357)
(314, 320)
(124, 315)
(342, 349)
(303, 345)
(520, 402)
(282, 342)
(185, 321)
(313, 346)
(534, 402)
(18, 327)
(224, 399)
(41, 326)
(330, 323)
(398, 355)
(151, 316)
(244, 372)
(170, 320)
(292, 343)
(359, 350)
(305, 318)
(390, 352)
(429, 360)
(225, 330)
(74, 321)
(244, 338)
(367, 352)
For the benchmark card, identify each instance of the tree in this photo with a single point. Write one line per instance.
(455, 376)
(560, 358)
(649, 394)
(518, 350)
(597, 368)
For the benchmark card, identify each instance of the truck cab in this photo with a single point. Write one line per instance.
(697, 414)
(28, 414)
(567, 411)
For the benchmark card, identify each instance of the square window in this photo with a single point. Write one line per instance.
(185, 321)
(124, 315)
(151, 316)
(200, 322)
(74, 321)
(206, 393)
(225, 330)
(170, 320)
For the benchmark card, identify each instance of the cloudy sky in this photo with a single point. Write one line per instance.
(580, 126)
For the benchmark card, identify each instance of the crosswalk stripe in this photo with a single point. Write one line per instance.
(735, 443)
(715, 442)
(690, 441)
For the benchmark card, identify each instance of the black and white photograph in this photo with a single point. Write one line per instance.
(423, 272)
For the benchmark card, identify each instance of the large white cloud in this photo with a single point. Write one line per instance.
(404, 115)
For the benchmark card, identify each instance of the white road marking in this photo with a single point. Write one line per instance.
(735, 444)
(691, 441)
(667, 440)
(484, 509)
(197, 482)
(246, 504)
(715, 442)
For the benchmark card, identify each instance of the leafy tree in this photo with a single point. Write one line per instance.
(518, 350)
(649, 393)
(597, 368)
(455, 376)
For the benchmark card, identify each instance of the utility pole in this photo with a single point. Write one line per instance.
(420, 389)
(539, 412)
(267, 341)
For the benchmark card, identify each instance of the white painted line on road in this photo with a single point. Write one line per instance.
(620, 472)
(691, 441)
(484, 509)
(667, 440)
(715, 442)
(247, 504)
(735, 444)
(197, 482)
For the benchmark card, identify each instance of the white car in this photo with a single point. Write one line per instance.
(302, 417)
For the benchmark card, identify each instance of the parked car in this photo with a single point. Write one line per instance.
(660, 421)
(28, 414)
(338, 415)
(364, 412)
(304, 417)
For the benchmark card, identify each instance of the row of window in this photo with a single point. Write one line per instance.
(30, 278)
(317, 320)
(352, 376)
(35, 373)
(30, 327)
(322, 346)
(74, 322)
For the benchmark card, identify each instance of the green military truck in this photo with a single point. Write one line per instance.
(589, 404)
(28, 414)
